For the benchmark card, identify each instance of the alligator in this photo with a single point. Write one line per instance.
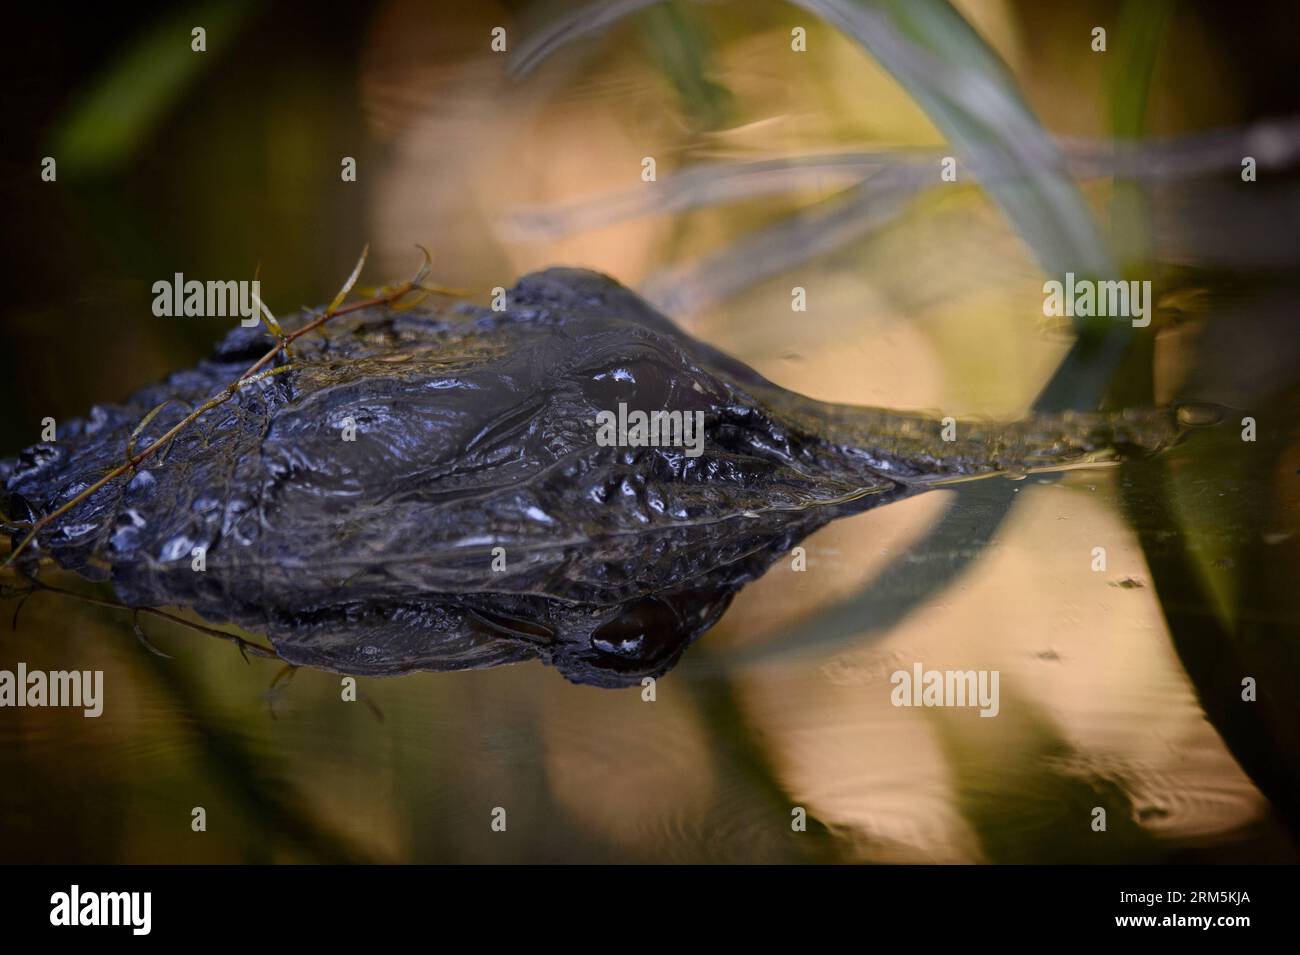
(424, 488)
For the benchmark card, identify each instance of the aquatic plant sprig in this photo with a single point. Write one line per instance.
(32, 586)
(385, 296)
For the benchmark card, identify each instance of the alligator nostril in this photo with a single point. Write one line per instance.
(1199, 414)
(18, 509)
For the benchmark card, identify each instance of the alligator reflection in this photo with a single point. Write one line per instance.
(427, 491)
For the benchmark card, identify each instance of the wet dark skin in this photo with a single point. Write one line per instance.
(474, 519)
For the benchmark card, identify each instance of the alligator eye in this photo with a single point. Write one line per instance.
(615, 374)
(627, 645)
(641, 383)
(646, 632)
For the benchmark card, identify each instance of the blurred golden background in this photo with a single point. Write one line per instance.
(923, 297)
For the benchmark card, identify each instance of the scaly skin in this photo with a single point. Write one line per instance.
(476, 431)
